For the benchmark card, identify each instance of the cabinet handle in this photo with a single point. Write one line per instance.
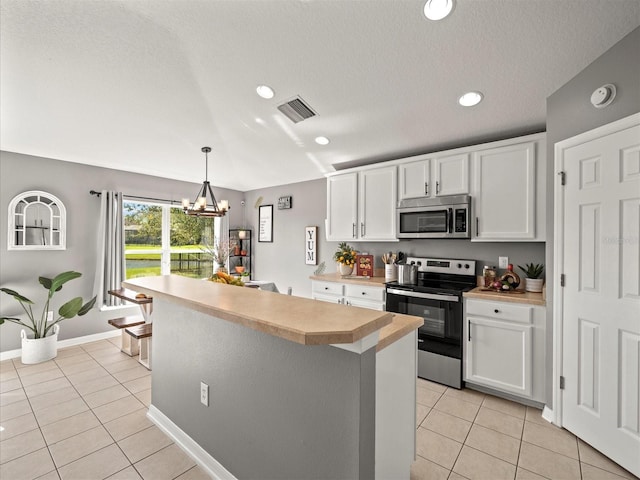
(326, 288)
(437, 188)
(362, 229)
(469, 329)
(353, 230)
(477, 226)
(496, 311)
(426, 188)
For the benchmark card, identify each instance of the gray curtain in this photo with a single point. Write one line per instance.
(110, 264)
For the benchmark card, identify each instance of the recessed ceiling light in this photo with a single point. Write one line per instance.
(437, 9)
(265, 91)
(322, 140)
(470, 99)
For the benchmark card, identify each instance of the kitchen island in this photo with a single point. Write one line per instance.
(296, 388)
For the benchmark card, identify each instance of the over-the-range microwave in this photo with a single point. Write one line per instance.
(440, 217)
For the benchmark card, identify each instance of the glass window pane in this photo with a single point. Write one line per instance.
(189, 236)
(143, 239)
(142, 265)
(142, 226)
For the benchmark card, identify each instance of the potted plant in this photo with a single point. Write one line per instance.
(219, 252)
(533, 271)
(346, 258)
(41, 344)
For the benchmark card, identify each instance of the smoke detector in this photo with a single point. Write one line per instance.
(603, 96)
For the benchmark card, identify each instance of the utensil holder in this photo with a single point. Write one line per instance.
(390, 272)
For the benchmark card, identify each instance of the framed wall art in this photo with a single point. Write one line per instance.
(265, 222)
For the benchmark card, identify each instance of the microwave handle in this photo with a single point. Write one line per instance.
(450, 220)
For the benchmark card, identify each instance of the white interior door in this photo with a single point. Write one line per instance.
(601, 297)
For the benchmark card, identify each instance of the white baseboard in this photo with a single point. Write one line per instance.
(65, 343)
(547, 414)
(209, 464)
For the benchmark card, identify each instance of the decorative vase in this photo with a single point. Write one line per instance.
(236, 251)
(37, 350)
(221, 268)
(533, 285)
(345, 269)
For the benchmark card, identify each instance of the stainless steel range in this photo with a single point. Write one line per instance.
(436, 297)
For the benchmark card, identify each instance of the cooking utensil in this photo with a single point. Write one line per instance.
(407, 274)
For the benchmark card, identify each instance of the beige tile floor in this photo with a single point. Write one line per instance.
(83, 416)
(465, 434)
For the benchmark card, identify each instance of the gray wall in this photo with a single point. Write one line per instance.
(70, 182)
(283, 261)
(569, 113)
(277, 409)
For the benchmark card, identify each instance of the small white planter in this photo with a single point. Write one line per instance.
(533, 285)
(345, 269)
(37, 350)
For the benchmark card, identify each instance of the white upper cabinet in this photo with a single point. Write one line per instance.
(377, 204)
(362, 205)
(435, 176)
(415, 179)
(508, 192)
(342, 206)
(452, 175)
(505, 179)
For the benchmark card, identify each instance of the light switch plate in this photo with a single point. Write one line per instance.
(204, 394)
(503, 262)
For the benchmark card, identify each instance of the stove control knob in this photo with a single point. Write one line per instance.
(459, 265)
(466, 265)
(419, 264)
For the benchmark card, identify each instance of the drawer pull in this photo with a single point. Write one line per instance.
(497, 311)
(364, 293)
(326, 288)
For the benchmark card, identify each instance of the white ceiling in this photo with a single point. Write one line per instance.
(141, 86)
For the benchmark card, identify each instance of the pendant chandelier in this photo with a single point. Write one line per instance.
(205, 204)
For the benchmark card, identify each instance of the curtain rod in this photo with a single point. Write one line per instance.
(97, 194)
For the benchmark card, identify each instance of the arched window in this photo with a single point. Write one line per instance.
(37, 221)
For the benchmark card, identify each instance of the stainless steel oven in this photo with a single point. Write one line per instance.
(437, 298)
(441, 217)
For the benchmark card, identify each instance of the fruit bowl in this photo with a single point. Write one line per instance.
(239, 269)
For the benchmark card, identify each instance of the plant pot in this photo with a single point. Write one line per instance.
(345, 269)
(533, 285)
(37, 350)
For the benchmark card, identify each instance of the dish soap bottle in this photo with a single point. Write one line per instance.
(510, 278)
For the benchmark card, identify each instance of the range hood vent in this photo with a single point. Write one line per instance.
(296, 110)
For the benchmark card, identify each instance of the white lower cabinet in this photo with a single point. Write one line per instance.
(505, 347)
(365, 296)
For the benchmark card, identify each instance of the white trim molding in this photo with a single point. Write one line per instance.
(209, 464)
(65, 343)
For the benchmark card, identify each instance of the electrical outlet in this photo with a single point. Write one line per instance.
(50, 316)
(204, 394)
(503, 262)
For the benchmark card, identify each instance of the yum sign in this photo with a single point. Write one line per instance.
(311, 245)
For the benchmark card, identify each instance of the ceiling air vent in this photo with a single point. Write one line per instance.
(296, 110)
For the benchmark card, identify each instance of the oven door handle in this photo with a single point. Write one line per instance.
(427, 296)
